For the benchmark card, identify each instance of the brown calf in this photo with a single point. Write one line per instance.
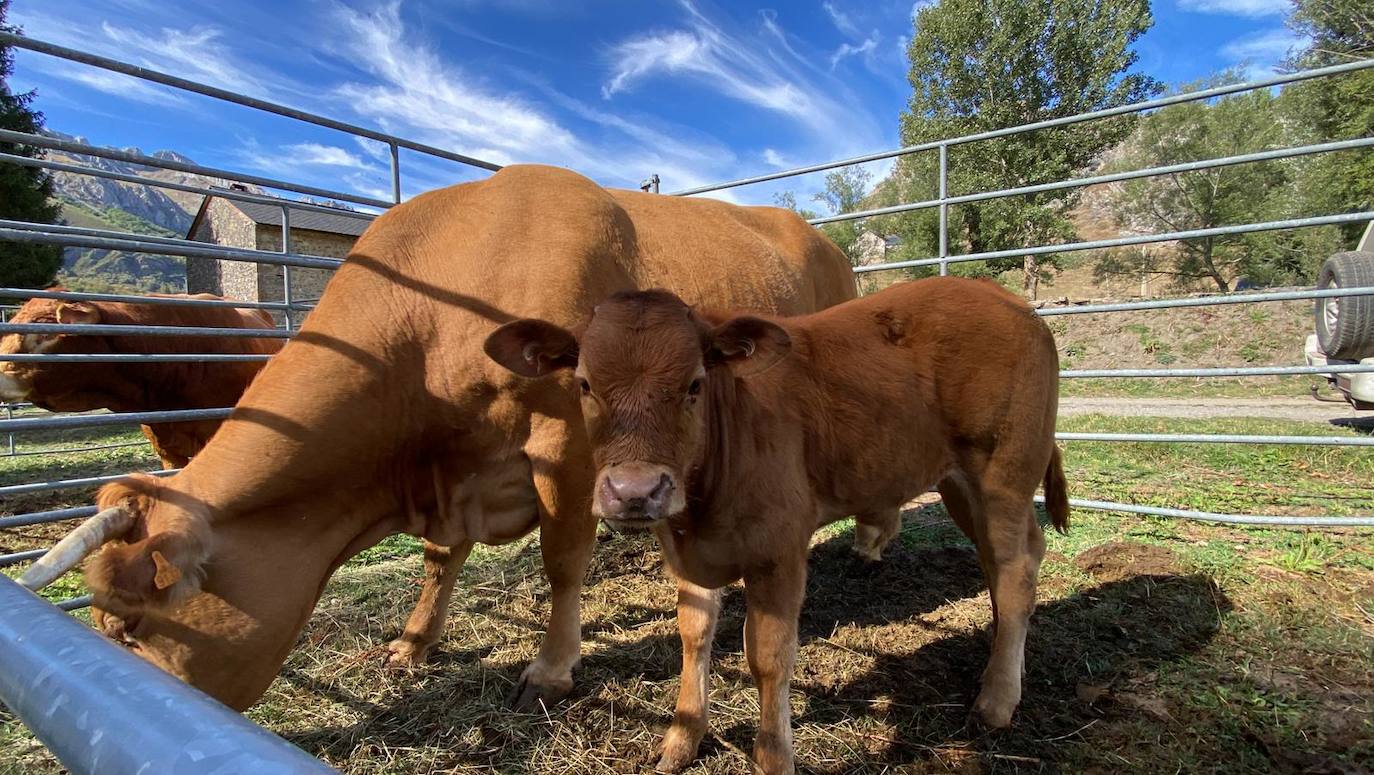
(735, 439)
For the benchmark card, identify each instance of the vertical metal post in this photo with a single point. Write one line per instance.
(944, 208)
(650, 184)
(395, 173)
(9, 415)
(286, 270)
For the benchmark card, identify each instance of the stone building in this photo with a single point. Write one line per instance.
(238, 224)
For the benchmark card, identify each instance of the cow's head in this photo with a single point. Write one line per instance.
(59, 387)
(648, 368)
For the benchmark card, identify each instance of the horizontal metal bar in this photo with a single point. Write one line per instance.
(45, 517)
(102, 709)
(102, 420)
(1262, 520)
(77, 602)
(1223, 371)
(130, 358)
(58, 228)
(1220, 438)
(7, 560)
(28, 293)
(72, 450)
(32, 234)
(1245, 228)
(43, 47)
(1208, 301)
(1171, 169)
(103, 329)
(221, 193)
(43, 141)
(72, 484)
(1137, 107)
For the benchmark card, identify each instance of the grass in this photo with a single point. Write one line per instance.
(1158, 645)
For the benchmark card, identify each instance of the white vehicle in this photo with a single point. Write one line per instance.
(1345, 325)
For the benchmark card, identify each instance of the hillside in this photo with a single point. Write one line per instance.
(100, 203)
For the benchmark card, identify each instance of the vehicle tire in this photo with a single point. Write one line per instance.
(1345, 324)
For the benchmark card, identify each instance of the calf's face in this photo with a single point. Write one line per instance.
(648, 369)
(59, 387)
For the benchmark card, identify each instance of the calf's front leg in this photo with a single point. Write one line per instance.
(443, 565)
(774, 600)
(697, 611)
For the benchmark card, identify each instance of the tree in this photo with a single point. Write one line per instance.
(978, 65)
(25, 192)
(1237, 124)
(1335, 108)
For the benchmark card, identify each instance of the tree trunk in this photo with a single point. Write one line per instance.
(1030, 277)
(1222, 283)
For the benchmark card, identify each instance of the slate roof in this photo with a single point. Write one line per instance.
(310, 220)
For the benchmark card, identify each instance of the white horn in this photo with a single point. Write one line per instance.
(71, 550)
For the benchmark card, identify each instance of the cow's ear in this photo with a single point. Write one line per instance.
(748, 345)
(77, 312)
(532, 348)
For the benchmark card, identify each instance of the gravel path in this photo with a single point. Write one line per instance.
(1300, 409)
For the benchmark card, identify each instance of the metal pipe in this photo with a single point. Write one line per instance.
(286, 270)
(395, 173)
(77, 450)
(42, 141)
(944, 208)
(1220, 438)
(1174, 99)
(1209, 301)
(1245, 228)
(1224, 371)
(33, 234)
(131, 358)
(58, 228)
(71, 484)
(7, 560)
(27, 293)
(221, 193)
(77, 602)
(101, 709)
(1229, 519)
(104, 420)
(1171, 169)
(42, 47)
(103, 329)
(45, 517)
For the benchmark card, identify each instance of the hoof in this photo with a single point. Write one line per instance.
(402, 654)
(991, 715)
(533, 694)
(678, 749)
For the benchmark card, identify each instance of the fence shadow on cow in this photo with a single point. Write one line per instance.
(919, 682)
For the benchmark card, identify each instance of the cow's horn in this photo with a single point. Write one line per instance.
(71, 550)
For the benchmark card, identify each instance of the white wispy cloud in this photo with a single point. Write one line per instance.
(1251, 8)
(846, 50)
(1261, 53)
(324, 155)
(115, 84)
(738, 68)
(198, 54)
(841, 20)
(773, 158)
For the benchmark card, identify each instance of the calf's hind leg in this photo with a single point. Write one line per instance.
(1011, 545)
(443, 564)
(874, 530)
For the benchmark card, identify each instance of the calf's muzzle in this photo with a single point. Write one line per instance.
(630, 493)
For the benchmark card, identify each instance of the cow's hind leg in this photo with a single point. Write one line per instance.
(443, 565)
(697, 611)
(874, 530)
(1013, 545)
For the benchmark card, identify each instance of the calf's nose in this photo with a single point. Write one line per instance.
(635, 491)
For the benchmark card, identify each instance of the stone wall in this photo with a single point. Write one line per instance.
(305, 283)
(224, 225)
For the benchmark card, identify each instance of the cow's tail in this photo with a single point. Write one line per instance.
(1057, 492)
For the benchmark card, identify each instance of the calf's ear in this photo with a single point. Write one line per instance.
(532, 348)
(77, 312)
(748, 345)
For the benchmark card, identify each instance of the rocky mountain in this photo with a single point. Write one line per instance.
(101, 203)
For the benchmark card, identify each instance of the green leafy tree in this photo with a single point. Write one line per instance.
(844, 192)
(978, 65)
(1219, 196)
(25, 192)
(1335, 108)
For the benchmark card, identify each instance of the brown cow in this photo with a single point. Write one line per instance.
(136, 387)
(383, 415)
(734, 439)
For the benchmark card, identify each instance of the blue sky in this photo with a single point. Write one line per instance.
(694, 90)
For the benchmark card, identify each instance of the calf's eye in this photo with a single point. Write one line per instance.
(694, 389)
(584, 386)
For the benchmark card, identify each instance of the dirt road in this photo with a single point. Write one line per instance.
(1299, 409)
